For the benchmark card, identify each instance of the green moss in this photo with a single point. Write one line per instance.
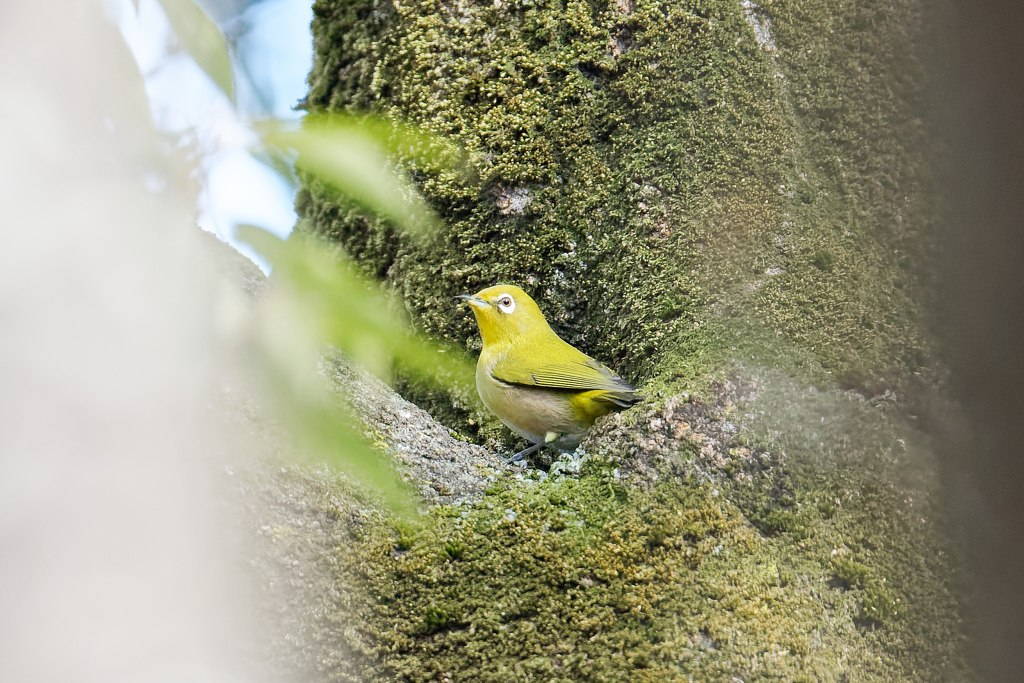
(620, 158)
(677, 189)
(833, 474)
(454, 550)
(570, 580)
(406, 537)
(849, 571)
(778, 558)
(435, 619)
(878, 605)
(573, 590)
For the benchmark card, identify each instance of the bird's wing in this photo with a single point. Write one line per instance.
(579, 373)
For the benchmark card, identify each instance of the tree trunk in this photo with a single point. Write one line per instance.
(733, 205)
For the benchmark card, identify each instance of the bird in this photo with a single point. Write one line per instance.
(544, 389)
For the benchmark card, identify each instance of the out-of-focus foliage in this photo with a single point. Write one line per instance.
(203, 41)
(354, 155)
(317, 303)
(293, 322)
(340, 309)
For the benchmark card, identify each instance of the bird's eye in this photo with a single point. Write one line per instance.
(506, 304)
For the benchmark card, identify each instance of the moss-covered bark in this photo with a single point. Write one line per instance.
(739, 562)
(639, 172)
(692, 190)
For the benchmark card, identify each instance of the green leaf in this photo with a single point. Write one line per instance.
(426, 151)
(323, 428)
(358, 157)
(202, 40)
(318, 303)
(277, 159)
(344, 310)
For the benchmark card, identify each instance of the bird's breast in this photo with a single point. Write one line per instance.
(528, 411)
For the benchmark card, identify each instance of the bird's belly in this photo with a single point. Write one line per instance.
(532, 413)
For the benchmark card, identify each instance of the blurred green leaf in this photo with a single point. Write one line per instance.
(319, 303)
(345, 310)
(426, 151)
(322, 427)
(202, 40)
(358, 156)
(279, 160)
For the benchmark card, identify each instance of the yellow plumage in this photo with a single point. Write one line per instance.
(545, 390)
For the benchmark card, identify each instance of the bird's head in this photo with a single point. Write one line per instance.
(504, 313)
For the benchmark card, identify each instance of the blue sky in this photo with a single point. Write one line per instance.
(272, 53)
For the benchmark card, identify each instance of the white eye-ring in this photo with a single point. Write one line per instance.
(506, 304)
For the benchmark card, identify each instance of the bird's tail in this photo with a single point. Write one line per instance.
(620, 399)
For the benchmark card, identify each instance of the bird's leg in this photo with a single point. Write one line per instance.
(522, 454)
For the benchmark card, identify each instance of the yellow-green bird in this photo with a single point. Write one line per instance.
(545, 390)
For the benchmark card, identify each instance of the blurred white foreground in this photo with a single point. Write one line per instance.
(108, 569)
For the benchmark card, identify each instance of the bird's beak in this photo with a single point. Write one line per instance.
(474, 301)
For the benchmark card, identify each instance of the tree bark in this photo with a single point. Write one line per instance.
(733, 205)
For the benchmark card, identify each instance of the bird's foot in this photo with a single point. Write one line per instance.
(522, 454)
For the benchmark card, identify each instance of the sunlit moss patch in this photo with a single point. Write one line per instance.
(564, 579)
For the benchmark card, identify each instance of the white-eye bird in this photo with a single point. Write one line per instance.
(545, 390)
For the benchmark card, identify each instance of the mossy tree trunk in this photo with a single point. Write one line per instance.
(733, 205)
(643, 167)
